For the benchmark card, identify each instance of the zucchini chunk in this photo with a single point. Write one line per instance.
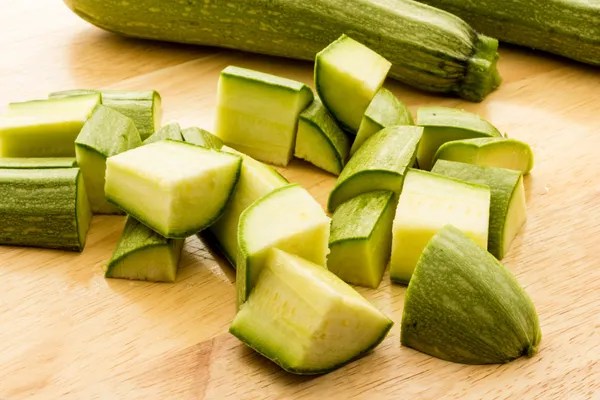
(169, 131)
(37, 162)
(201, 137)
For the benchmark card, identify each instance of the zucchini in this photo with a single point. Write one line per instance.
(44, 208)
(143, 254)
(442, 124)
(256, 180)
(44, 128)
(142, 106)
(569, 28)
(320, 141)
(384, 110)
(428, 203)
(175, 188)
(463, 305)
(380, 164)
(306, 319)
(105, 134)
(508, 209)
(257, 113)
(169, 131)
(287, 218)
(428, 48)
(492, 151)
(361, 238)
(347, 76)
(37, 163)
(200, 137)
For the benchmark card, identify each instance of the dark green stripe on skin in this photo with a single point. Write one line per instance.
(429, 48)
(463, 305)
(38, 208)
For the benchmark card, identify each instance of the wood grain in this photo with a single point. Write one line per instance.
(68, 333)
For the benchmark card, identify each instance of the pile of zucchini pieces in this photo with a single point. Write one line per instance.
(440, 201)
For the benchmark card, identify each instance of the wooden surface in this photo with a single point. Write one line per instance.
(66, 332)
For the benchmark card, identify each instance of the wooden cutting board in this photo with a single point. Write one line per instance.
(66, 332)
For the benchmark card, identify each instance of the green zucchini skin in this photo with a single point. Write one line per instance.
(37, 163)
(43, 208)
(569, 28)
(430, 49)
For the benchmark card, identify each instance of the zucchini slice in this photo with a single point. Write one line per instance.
(143, 254)
(384, 110)
(428, 203)
(44, 128)
(320, 141)
(37, 163)
(287, 218)
(105, 134)
(347, 76)
(442, 124)
(380, 164)
(256, 180)
(361, 238)
(257, 113)
(44, 208)
(203, 138)
(495, 152)
(169, 131)
(306, 319)
(508, 209)
(142, 106)
(463, 305)
(175, 188)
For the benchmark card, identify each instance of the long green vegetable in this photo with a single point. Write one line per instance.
(429, 48)
(570, 28)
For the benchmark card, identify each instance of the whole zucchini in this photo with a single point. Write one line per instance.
(429, 48)
(570, 28)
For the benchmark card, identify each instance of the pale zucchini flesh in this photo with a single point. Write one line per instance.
(257, 113)
(175, 188)
(44, 208)
(464, 306)
(142, 106)
(347, 76)
(384, 110)
(361, 238)
(306, 319)
(494, 152)
(380, 164)
(320, 140)
(508, 209)
(256, 180)
(287, 218)
(442, 124)
(37, 162)
(44, 128)
(428, 48)
(428, 203)
(105, 134)
(143, 254)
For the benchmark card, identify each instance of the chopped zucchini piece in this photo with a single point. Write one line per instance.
(143, 254)
(508, 210)
(169, 131)
(447, 124)
(44, 208)
(203, 138)
(175, 188)
(320, 141)
(37, 162)
(257, 113)
(105, 134)
(380, 164)
(384, 110)
(361, 238)
(428, 203)
(306, 319)
(287, 218)
(44, 128)
(347, 76)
